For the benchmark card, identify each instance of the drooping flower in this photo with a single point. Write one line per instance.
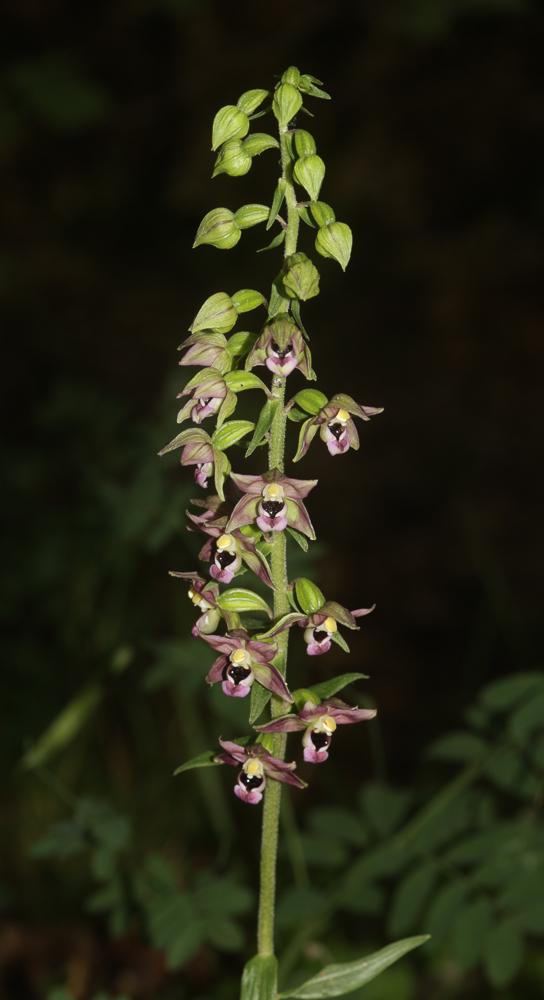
(257, 766)
(335, 425)
(203, 595)
(228, 551)
(208, 392)
(282, 348)
(321, 628)
(198, 449)
(319, 722)
(206, 350)
(242, 661)
(272, 501)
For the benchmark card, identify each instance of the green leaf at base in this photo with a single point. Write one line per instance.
(337, 980)
(259, 979)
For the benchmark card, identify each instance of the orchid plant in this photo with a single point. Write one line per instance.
(247, 519)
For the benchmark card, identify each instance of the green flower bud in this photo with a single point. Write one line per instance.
(217, 313)
(335, 240)
(300, 278)
(232, 159)
(291, 75)
(258, 142)
(251, 215)
(322, 213)
(229, 123)
(287, 101)
(218, 228)
(303, 696)
(304, 142)
(251, 100)
(308, 595)
(310, 171)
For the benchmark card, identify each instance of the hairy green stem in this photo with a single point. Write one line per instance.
(278, 567)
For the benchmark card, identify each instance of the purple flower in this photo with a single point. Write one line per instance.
(208, 392)
(321, 628)
(243, 661)
(198, 449)
(202, 473)
(203, 595)
(207, 350)
(282, 348)
(227, 551)
(272, 501)
(335, 425)
(319, 723)
(257, 766)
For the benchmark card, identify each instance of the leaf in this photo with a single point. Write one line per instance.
(384, 807)
(459, 747)
(264, 421)
(258, 142)
(527, 718)
(231, 432)
(503, 954)
(444, 907)
(276, 242)
(68, 723)
(326, 689)
(260, 697)
(504, 693)
(206, 759)
(260, 978)
(247, 299)
(311, 400)
(241, 380)
(470, 927)
(336, 980)
(277, 200)
(239, 599)
(298, 538)
(410, 897)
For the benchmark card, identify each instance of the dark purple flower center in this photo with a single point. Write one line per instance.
(281, 352)
(320, 635)
(204, 402)
(225, 558)
(273, 507)
(337, 430)
(320, 740)
(235, 674)
(250, 781)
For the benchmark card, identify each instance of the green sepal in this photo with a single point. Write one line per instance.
(291, 618)
(206, 759)
(227, 435)
(309, 171)
(304, 143)
(218, 229)
(259, 698)
(240, 343)
(335, 240)
(247, 299)
(179, 440)
(250, 100)
(239, 599)
(264, 421)
(307, 84)
(305, 216)
(339, 979)
(227, 407)
(277, 201)
(311, 400)
(278, 303)
(238, 381)
(338, 638)
(297, 316)
(250, 215)
(257, 142)
(276, 242)
(327, 689)
(221, 469)
(300, 278)
(308, 595)
(229, 123)
(299, 538)
(306, 435)
(217, 313)
(260, 978)
(322, 213)
(286, 102)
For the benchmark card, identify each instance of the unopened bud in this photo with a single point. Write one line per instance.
(247, 299)
(251, 100)
(335, 240)
(217, 313)
(229, 123)
(322, 213)
(300, 278)
(291, 75)
(304, 143)
(251, 215)
(309, 171)
(308, 595)
(218, 228)
(232, 159)
(287, 101)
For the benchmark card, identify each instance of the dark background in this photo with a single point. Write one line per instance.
(431, 144)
